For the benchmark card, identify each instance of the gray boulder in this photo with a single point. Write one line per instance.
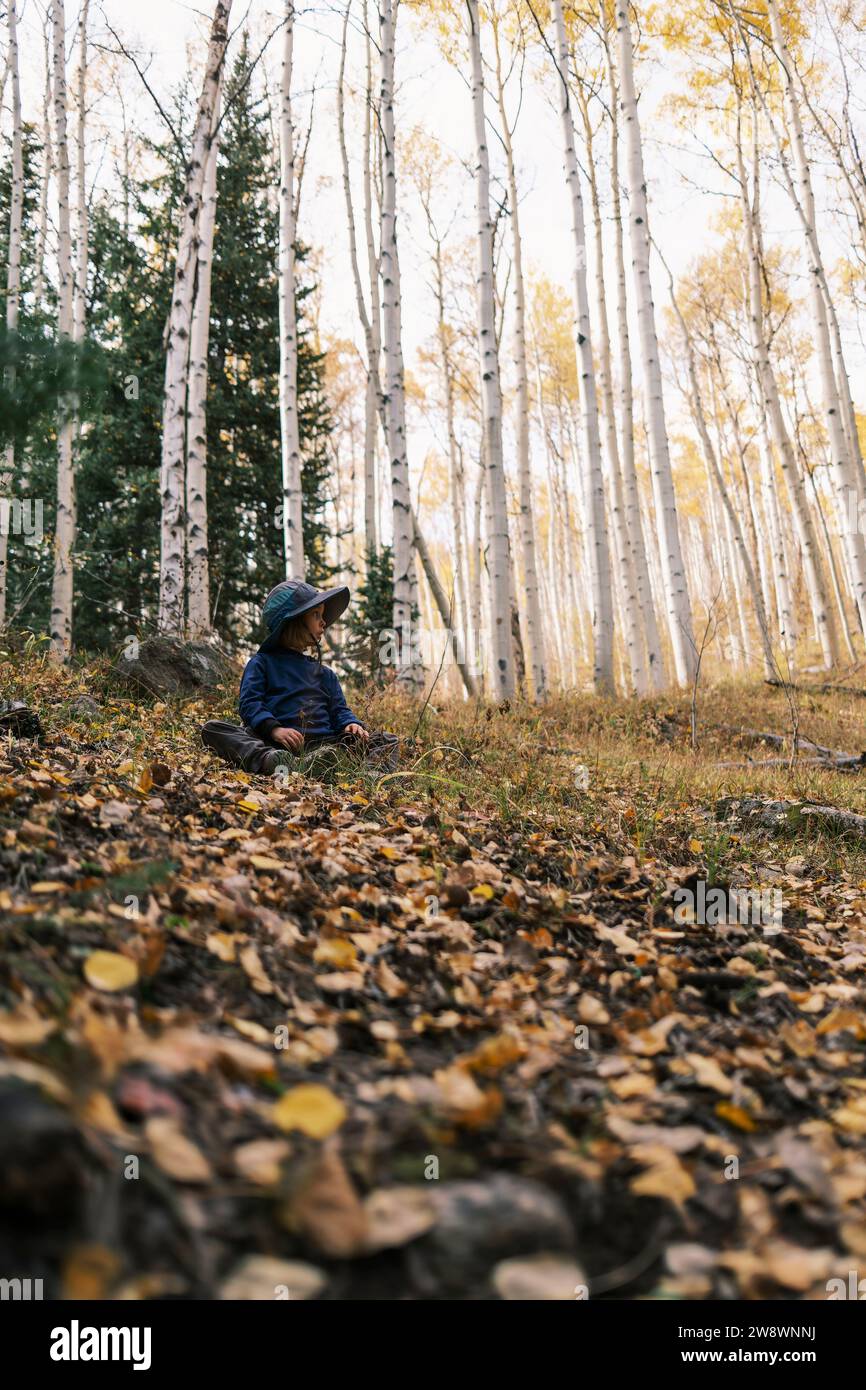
(169, 666)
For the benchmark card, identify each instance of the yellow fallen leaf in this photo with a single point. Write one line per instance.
(145, 781)
(24, 1028)
(841, 1018)
(482, 890)
(736, 1116)
(312, 1109)
(259, 1160)
(248, 805)
(388, 852)
(89, 1272)
(174, 1152)
(709, 1073)
(696, 846)
(264, 861)
(852, 1117)
(109, 971)
(494, 1053)
(665, 1179)
(255, 971)
(49, 887)
(222, 944)
(335, 951)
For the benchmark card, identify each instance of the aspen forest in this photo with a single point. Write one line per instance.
(433, 666)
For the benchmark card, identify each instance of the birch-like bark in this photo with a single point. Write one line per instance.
(372, 394)
(491, 392)
(82, 237)
(535, 659)
(630, 611)
(198, 568)
(675, 583)
(47, 170)
(848, 485)
(735, 531)
(13, 275)
(598, 551)
(172, 471)
(60, 622)
(395, 403)
(290, 433)
(633, 508)
(772, 411)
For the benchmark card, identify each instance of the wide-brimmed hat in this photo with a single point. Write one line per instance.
(293, 597)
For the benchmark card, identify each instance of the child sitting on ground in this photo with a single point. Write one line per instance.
(289, 702)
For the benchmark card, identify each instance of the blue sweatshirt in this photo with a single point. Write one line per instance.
(290, 690)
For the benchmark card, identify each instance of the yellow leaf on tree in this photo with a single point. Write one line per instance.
(109, 971)
(314, 1110)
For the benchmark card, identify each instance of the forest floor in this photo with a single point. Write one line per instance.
(399, 1038)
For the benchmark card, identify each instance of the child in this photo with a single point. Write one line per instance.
(289, 701)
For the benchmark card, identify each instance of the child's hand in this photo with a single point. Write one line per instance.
(290, 738)
(357, 730)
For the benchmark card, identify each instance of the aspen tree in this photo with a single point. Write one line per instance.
(290, 433)
(395, 405)
(13, 271)
(64, 533)
(172, 469)
(598, 552)
(675, 583)
(198, 568)
(534, 634)
(498, 548)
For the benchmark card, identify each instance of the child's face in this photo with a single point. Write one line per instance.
(314, 621)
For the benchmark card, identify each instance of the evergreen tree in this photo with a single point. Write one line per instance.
(130, 277)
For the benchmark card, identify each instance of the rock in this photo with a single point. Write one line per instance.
(480, 1223)
(85, 705)
(19, 721)
(539, 1278)
(168, 666)
(265, 1277)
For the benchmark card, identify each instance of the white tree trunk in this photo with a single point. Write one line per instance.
(290, 434)
(198, 568)
(630, 609)
(83, 225)
(772, 409)
(675, 583)
(13, 273)
(395, 405)
(535, 660)
(491, 392)
(64, 534)
(172, 479)
(598, 551)
(47, 169)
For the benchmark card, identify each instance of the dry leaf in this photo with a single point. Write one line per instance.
(106, 970)
(312, 1109)
(174, 1152)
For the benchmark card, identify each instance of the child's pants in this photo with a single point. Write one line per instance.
(244, 748)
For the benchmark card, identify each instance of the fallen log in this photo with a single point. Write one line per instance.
(788, 815)
(827, 689)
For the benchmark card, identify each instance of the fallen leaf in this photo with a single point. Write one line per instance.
(174, 1153)
(264, 1277)
(108, 971)
(312, 1109)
